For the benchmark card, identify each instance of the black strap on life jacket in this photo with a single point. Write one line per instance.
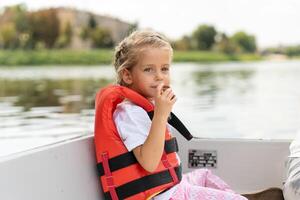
(128, 158)
(144, 183)
(169, 175)
(177, 124)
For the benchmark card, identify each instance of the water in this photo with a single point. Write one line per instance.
(255, 100)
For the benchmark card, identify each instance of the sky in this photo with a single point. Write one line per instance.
(272, 22)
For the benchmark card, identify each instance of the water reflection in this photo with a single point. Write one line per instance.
(36, 112)
(212, 83)
(72, 94)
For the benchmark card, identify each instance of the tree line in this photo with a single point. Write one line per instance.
(206, 38)
(43, 29)
(291, 51)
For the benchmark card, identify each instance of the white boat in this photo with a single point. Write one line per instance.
(67, 170)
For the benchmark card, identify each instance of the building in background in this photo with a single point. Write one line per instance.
(59, 28)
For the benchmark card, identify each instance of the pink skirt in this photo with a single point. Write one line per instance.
(203, 185)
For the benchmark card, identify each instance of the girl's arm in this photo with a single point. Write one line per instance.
(149, 154)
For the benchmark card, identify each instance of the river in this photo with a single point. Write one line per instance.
(251, 100)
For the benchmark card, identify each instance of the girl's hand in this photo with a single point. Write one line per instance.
(164, 100)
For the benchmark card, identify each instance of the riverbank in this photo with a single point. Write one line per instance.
(104, 56)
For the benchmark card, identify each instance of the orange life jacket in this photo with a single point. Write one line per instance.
(122, 177)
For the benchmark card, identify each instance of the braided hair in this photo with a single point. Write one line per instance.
(127, 52)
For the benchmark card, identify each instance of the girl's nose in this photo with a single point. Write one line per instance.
(159, 76)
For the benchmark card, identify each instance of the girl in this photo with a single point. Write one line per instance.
(142, 62)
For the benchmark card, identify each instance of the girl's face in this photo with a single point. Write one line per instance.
(151, 70)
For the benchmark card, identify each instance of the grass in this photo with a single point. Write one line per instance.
(210, 56)
(103, 56)
(295, 57)
(55, 57)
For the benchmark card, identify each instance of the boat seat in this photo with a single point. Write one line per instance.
(61, 171)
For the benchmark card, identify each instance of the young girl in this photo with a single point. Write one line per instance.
(132, 127)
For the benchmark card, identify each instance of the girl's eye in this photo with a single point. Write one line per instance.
(147, 69)
(165, 69)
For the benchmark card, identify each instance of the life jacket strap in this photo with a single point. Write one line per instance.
(144, 183)
(127, 159)
(177, 124)
(109, 179)
(171, 169)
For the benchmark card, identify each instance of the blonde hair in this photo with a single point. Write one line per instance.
(127, 52)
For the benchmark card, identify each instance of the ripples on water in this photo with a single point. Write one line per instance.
(42, 105)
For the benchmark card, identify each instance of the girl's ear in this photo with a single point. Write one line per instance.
(126, 76)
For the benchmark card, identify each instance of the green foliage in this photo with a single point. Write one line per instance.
(65, 37)
(103, 56)
(183, 44)
(204, 36)
(210, 56)
(92, 22)
(245, 41)
(226, 45)
(8, 36)
(68, 32)
(293, 50)
(62, 41)
(20, 17)
(42, 30)
(84, 33)
(198, 56)
(133, 27)
(14, 30)
(101, 38)
(45, 27)
(57, 57)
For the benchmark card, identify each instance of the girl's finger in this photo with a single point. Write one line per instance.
(165, 87)
(167, 92)
(174, 99)
(174, 96)
(170, 95)
(159, 89)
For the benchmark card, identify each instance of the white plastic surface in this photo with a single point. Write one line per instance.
(67, 170)
(64, 171)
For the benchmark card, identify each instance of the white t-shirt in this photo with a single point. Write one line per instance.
(133, 125)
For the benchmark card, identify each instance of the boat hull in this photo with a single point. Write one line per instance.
(67, 170)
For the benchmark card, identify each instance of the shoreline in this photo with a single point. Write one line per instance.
(104, 56)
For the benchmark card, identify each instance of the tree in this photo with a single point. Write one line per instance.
(226, 45)
(132, 27)
(204, 36)
(65, 36)
(292, 50)
(15, 28)
(45, 27)
(183, 44)
(246, 42)
(20, 17)
(8, 36)
(84, 33)
(92, 22)
(101, 38)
